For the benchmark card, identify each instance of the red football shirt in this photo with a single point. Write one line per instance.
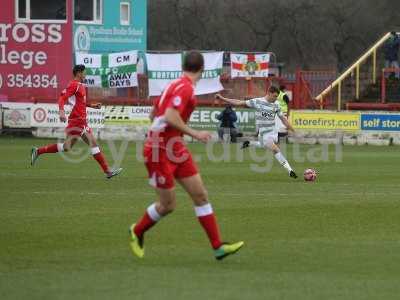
(75, 95)
(179, 95)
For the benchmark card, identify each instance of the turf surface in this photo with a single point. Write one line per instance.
(63, 230)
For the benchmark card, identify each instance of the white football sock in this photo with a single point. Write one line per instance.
(60, 147)
(204, 210)
(95, 150)
(153, 213)
(282, 160)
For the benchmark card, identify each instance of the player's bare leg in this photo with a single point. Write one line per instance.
(280, 158)
(164, 205)
(90, 140)
(195, 188)
(53, 148)
(69, 143)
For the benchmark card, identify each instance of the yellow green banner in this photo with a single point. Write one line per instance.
(325, 120)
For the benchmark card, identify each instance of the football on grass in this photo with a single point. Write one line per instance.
(310, 175)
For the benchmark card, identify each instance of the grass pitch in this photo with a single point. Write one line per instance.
(63, 230)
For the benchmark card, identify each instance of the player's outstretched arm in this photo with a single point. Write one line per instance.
(173, 119)
(234, 102)
(61, 111)
(286, 122)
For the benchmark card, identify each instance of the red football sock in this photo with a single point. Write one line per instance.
(48, 149)
(99, 157)
(149, 219)
(208, 220)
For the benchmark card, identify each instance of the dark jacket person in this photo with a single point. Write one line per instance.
(228, 118)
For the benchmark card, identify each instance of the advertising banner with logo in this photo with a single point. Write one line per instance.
(46, 115)
(25, 115)
(380, 122)
(35, 58)
(205, 118)
(164, 68)
(17, 118)
(116, 70)
(325, 120)
(249, 65)
(128, 115)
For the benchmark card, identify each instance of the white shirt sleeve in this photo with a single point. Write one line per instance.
(279, 111)
(251, 103)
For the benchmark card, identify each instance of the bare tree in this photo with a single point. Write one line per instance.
(261, 29)
(303, 33)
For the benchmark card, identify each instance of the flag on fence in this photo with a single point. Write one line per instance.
(249, 65)
(210, 81)
(164, 68)
(115, 70)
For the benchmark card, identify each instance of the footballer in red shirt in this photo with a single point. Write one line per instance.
(167, 160)
(75, 95)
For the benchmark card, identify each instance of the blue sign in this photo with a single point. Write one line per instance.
(118, 30)
(380, 122)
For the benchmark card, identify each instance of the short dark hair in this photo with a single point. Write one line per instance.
(193, 62)
(282, 87)
(78, 69)
(273, 90)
